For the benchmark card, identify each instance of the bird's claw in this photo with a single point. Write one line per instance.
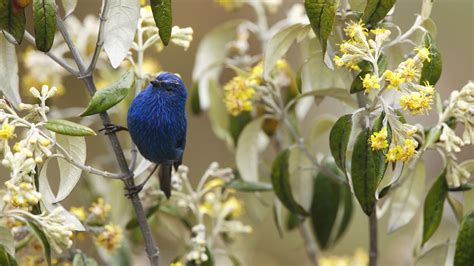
(133, 191)
(112, 128)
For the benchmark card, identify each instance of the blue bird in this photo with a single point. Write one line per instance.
(157, 124)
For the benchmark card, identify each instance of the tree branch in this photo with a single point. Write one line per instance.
(309, 243)
(151, 248)
(373, 253)
(100, 37)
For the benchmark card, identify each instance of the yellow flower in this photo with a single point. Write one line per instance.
(399, 153)
(416, 102)
(233, 206)
(79, 212)
(423, 53)
(7, 131)
(338, 61)
(100, 209)
(217, 182)
(409, 69)
(111, 238)
(378, 31)
(394, 79)
(230, 5)
(370, 82)
(356, 30)
(238, 96)
(142, 2)
(394, 153)
(256, 75)
(178, 263)
(378, 140)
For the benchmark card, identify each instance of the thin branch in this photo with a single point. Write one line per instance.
(150, 246)
(309, 243)
(373, 253)
(56, 59)
(100, 38)
(87, 168)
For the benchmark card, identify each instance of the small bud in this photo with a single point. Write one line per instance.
(35, 92)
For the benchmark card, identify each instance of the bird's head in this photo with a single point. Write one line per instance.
(169, 85)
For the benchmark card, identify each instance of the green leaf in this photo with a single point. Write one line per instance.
(433, 207)
(293, 221)
(278, 46)
(7, 241)
(431, 71)
(365, 172)
(339, 138)
(407, 198)
(38, 232)
(433, 136)
(321, 14)
(245, 186)
(237, 124)
(356, 85)
(376, 10)
(6, 259)
(357, 5)
(194, 99)
(281, 183)
(163, 18)
(464, 254)
(119, 29)
(12, 20)
(44, 13)
(9, 72)
(108, 97)
(69, 174)
(331, 207)
(68, 128)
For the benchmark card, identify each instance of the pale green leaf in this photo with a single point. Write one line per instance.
(210, 58)
(358, 5)
(80, 259)
(407, 198)
(7, 241)
(248, 148)
(69, 174)
(244, 186)
(218, 115)
(119, 29)
(68, 128)
(9, 74)
(69, 6)
(302, 173)
(40, 235)
(456, 207)
(434, 256)
(44, 13)
(111, 95)
(278, 46)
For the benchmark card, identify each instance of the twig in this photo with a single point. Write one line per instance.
(100, 37)
(373, 253)
(309, 243)
(151, 248)
(56, 59)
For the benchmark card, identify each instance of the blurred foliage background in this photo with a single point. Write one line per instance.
(455, 27)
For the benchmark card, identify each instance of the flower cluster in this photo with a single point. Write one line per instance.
(108, 236)
(230, 5)
(359, 258)
(56, 229)
(21, 159)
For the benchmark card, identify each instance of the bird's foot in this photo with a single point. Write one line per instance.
(133, 191)
(112, 128)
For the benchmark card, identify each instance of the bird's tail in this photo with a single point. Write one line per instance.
(165, 179)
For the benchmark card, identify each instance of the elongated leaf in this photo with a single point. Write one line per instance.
(434, 256)
(69, 6)
(69, 174)
(278, 46)
(433, 136)
(356, 85)
(364, 172)
(120, 28)
(244, 186)
(407, 198)
(108, 97)
(376, 10)
(281, 183)
(321, 14)
(464, 254)
(456, 207)
(7, 241)
(210, 59)
(347, 209)
(324, 208)
(293, 221)
(38, 232)
(339, 138)
(68, 128)
(431, 71)
(194, 99)
(6, 259)
(433, 208)
(237, 124)
(9, 72)
(44, 13)
(251, 140)
(163, 18)
(12, 20)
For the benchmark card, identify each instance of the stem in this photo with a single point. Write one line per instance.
(310, 245)
(373, 253)
(86, 75)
